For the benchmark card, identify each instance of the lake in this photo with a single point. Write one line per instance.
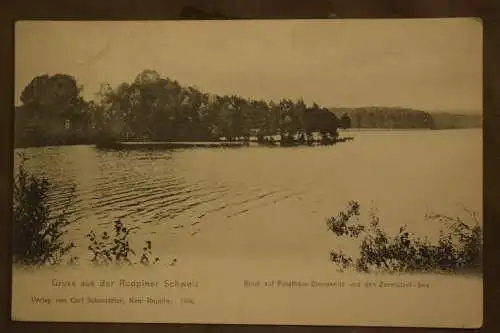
(261, 202)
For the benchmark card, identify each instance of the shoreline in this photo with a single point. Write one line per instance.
(254, 142)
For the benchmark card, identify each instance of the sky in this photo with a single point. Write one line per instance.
(427, 64)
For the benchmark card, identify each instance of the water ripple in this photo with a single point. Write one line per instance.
(192, 186)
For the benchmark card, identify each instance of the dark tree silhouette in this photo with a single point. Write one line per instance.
(152, 107)
(53, 112)
(345, 121)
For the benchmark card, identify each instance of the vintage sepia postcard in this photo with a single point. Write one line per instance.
(305, 172)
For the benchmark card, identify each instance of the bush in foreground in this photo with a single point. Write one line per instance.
(38, 232)
(115, 249)
(458, 249)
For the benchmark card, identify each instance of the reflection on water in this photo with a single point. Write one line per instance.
(405, 174)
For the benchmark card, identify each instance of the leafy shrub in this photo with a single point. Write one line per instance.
(115, 249)
(340, 226)
(37, 231)
(458, 249)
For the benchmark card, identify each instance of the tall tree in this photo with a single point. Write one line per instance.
(345, 121)
(52, 105)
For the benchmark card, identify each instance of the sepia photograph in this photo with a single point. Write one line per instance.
(303, 172)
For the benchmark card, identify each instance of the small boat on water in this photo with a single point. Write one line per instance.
(206, 144)
(168, 145)
(345, 139)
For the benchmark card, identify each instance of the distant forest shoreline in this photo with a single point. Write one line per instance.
(404, 118)
(153, 108)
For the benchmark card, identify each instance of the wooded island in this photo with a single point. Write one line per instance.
(153, 108)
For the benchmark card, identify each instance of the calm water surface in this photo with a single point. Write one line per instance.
(265, 201)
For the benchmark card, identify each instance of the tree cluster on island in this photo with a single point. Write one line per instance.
(154, 108)
(53, 112)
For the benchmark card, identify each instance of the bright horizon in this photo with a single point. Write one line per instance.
(426, 64)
